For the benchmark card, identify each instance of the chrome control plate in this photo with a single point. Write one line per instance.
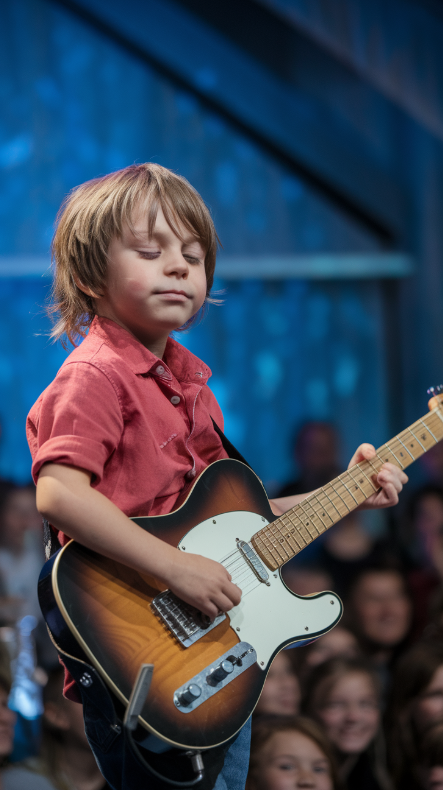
(244, 655)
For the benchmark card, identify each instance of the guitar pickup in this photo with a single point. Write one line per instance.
(253, 561)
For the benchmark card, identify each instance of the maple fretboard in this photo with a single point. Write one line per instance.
(283, 538)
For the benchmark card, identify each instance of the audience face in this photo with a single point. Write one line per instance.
(281, 692)
(290, 760)
(338, 642)
(349, 712)
(428, 708)
(382, 607)
(7, 722)
(432, 462)
(316, 449)
(19, 515)
(306, 581)
(434, 778)
(67, 716)
(429, 524)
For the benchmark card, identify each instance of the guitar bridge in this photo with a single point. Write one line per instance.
(184, 621)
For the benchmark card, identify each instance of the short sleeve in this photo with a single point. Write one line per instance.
(79, 420)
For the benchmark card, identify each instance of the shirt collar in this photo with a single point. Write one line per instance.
(184, 365)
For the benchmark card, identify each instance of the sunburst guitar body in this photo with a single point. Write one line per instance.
(208, 677)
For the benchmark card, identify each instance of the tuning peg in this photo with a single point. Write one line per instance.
(431, 392)
(439, 389)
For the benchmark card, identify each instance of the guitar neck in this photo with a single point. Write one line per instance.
(279, 541)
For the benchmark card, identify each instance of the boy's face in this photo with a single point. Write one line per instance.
(154, 285)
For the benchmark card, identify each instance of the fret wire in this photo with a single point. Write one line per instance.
(400, 451)
(286, 541)
(302, 529)
(289, 536)
(429, 431)
(367, 478)
(369, 461)
(329, 502)
(332, 499)
(397, 437)
(314, 497)
(439, 415)
(416, 439)
(357, 468)
(278, 547)
(352, 495)
(328, 497)
(392, 453)
(340, 497)
(436, 417)
(298, 535)
(271, 548)
(301, 504)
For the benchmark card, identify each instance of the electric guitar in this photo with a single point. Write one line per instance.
(208, 677)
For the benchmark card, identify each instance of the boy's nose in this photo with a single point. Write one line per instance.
(175, 262)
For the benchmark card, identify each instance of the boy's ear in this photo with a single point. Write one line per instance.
(84, 288)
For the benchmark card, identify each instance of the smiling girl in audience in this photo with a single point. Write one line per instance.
(343, 695)
(288, 754)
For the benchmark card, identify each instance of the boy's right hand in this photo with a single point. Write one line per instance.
(203, 583)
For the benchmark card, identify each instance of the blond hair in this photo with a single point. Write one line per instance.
(96, 212)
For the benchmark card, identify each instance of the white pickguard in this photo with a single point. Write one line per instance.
(267, 616)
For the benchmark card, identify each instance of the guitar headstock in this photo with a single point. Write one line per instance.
(436, 400)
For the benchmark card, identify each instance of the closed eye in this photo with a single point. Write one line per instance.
(191, 259)
(148, 255)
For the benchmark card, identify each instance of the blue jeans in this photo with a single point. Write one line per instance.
(226, 766)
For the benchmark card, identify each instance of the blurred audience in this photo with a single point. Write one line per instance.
(344, 696)
(21, 554)
(66, 761)
(431, 465)
(345, 551)
(421, 537)
(306, 579)
(339, 641)
(290, 753)
(416, 705)
(7, 717)
(316, 451)
(430, 759)
(281, 691)
(379, 609)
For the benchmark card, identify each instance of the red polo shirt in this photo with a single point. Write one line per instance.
(142, 425)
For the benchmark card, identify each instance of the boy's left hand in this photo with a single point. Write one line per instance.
(390, 478)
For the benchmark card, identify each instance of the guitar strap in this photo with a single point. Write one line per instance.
(229, 447)
(50, 537)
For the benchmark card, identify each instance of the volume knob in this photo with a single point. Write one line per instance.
(221, 672)
(189, 694)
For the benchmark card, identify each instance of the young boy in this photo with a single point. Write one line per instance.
(126, 426)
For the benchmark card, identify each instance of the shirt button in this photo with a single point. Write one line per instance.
(159, 369)
(191, 474)
(175, 399)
